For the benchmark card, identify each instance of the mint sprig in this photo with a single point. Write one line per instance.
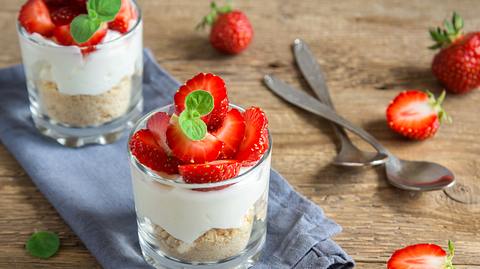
(197, 104)
(43, 244)
(83, 27)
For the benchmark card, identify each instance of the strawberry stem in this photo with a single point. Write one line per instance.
(445, 36)
(215, 10)
(451, 253)
(437, 106)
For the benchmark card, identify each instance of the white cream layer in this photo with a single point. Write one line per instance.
(187, 214)
(74, 73)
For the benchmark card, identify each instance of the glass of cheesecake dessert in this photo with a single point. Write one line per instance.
(82, 92)
(201, 197)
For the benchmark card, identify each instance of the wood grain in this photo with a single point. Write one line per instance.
(370, 51)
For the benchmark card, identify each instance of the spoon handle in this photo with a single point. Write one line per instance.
(314, 106)
(316, 79)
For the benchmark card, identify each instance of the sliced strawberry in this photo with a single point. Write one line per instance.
(415, 114)
(420, 256)
(158, 124)
(62, 36)
(144, 147)
(126, 14)
(216, 87)
(255, 142)
(65, 15)
(35, 18)
(189, 151)
(209, 172)
(231, 133)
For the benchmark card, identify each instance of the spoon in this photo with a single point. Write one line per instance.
(349, 154)
(403, 174)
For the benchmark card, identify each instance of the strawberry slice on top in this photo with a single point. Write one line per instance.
(62, 36)
(209, 172)
(416, 114)
(422, 256)
(34, 16)
(192, 151)
(145, 148)
(255, 141)
(231, 133)
(216, 87)
(127, 13)
(65, 15)
(158, 124)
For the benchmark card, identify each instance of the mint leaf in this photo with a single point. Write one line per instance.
(104, 10)
(193, 128)
(43, 244)
(199, 101)
(83, 27)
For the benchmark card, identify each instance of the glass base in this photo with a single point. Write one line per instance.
(78, 137)
(245, 260)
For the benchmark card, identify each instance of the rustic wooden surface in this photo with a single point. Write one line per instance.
(370, 51)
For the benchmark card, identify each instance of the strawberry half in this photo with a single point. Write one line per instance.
(35, 18)
(145, 148)
(62, 36)
(416, 114)
(255, 141)
(122, 20)
(209, 172)
(216, 87)
(65, 15)
(190, 151)
(231, 133)
(422, 256)
(158, 124)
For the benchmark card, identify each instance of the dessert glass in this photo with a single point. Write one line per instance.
(83, 98)
(211, 225)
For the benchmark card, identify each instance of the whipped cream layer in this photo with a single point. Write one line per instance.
(186, 214)
(115, 58)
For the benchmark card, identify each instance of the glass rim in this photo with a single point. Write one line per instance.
(158, 178)
(23, 33)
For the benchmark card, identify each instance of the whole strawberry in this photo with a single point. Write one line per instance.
(231, 31)
(416, 114)
(457, 64)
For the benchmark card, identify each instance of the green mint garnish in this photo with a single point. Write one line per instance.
(84, 26)
(197, 104)
(43, 244)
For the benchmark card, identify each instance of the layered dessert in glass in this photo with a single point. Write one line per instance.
(82, 91)
(200, 173)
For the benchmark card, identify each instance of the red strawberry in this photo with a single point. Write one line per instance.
(216, 87)
(144, 147)
(209, 172)
(189, 151)
(158, 124)
(64, 15)
(416, 114)
(255, 142)
(457, 65)
(35, 18)
(231, 30)
(231, 133)
(121, 22)
(62, 36)
(422, 256)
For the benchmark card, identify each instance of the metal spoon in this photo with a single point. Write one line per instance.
(349, 154)
(408, 175)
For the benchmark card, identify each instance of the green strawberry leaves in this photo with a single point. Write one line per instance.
(451, 253)
(83, 27)
(43, 244)
(451, 31)
(215, 10)
(197, 104)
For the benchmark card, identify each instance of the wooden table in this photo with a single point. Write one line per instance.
(370, 51)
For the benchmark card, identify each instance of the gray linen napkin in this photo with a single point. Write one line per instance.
(90, 187)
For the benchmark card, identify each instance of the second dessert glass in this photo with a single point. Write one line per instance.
(210, 225)
(79, 97)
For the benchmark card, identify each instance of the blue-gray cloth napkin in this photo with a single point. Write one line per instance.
(90, 187)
